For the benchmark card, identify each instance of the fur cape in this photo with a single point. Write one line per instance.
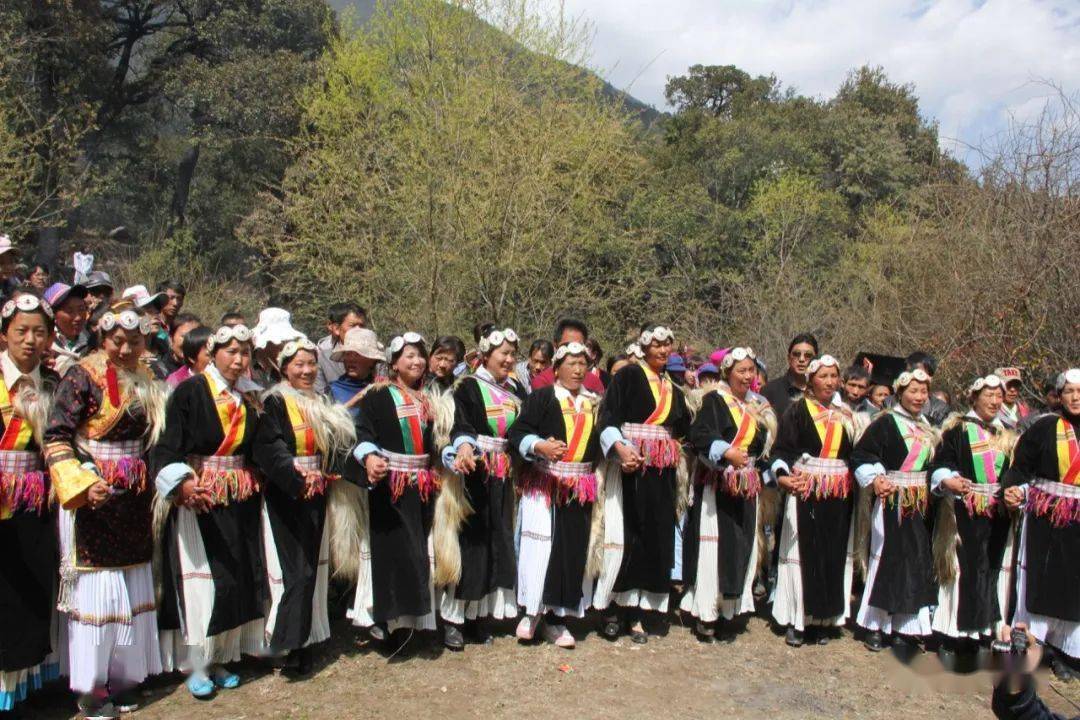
(864, 504)
(946, 539)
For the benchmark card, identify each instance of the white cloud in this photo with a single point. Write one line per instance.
(973, 64)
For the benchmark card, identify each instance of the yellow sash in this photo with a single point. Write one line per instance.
(232, 416)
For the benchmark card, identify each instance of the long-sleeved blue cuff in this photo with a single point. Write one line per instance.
(717, 450)
(170, 477)
(939, 476)
(527, 446)
(779, 467)
(364, 449)
(449, 453)
(865, 473)
(608, 438)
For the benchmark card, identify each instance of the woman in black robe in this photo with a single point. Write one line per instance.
(474, 517)
(731, 435)
(813, 446)
(558, 437)
(300, 447)
(1046, 467)
(393, 462)
(27, 523)
(894, 456)
(214, 591)
(972, 530)
(643, 421)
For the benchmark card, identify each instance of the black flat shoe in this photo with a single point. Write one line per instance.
(704, 632)
(298, 662)
(1061, 669)
(822, 636)
(794, 638)
(639, 637)
(452, 637)
(378, 633)
(874, 641)
(611, 627)
(478, 634)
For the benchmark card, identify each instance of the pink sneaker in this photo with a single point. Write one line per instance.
(526, 629)
(559, 636)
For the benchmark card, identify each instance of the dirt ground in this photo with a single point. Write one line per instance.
(672, 676)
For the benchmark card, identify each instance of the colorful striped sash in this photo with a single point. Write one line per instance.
(661, 390)
(411, 419)
(743, 419)
(17, 432)
(579, 426)
(231, 414)
(303, 433)
(918, 444)
(499, 406)
(829, 428)
(1068, 453)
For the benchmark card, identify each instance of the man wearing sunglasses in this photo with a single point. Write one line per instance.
(788, 387)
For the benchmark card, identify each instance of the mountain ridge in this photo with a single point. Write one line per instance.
(646, 113)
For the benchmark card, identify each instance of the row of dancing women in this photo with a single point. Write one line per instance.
(148, 533)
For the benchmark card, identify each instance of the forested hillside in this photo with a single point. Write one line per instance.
(445, 163)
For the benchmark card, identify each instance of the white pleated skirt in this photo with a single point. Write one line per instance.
(363, 607)
(533, 532)
(948, 607)
(500, 604)
(872, 618)
(190, 648)
(320, 618)
(111, 623)
(1060, 634)
(703, 599)
(614, 544)
(788, 600)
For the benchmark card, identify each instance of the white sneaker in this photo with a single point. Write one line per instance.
(559, 636)
(96, 710)
(526, 629)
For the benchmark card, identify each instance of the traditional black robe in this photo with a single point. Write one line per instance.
(823, 524)
(487, 536)
(28, 566)
(983, 538)
(542, 415)
(649, 494)
(231, 534)
(400, 566)
(905, 577)
(296, 523)
(1051, 568)
(736, 516)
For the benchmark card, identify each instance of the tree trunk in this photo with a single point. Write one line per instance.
(185, 173)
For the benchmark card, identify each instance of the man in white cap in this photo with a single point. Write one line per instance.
(359, 353)
(8, 259)
(1013, 410)
(273, 330)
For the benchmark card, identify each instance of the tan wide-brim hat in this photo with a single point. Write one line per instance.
(361, 341)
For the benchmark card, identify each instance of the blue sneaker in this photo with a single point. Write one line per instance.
(224, 679)
(199, 686)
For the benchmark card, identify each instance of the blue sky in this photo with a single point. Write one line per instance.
(976, 65)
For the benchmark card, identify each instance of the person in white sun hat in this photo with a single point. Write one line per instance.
(9, 256)
(270, 334)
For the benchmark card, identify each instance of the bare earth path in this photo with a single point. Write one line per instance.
(758, 676)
